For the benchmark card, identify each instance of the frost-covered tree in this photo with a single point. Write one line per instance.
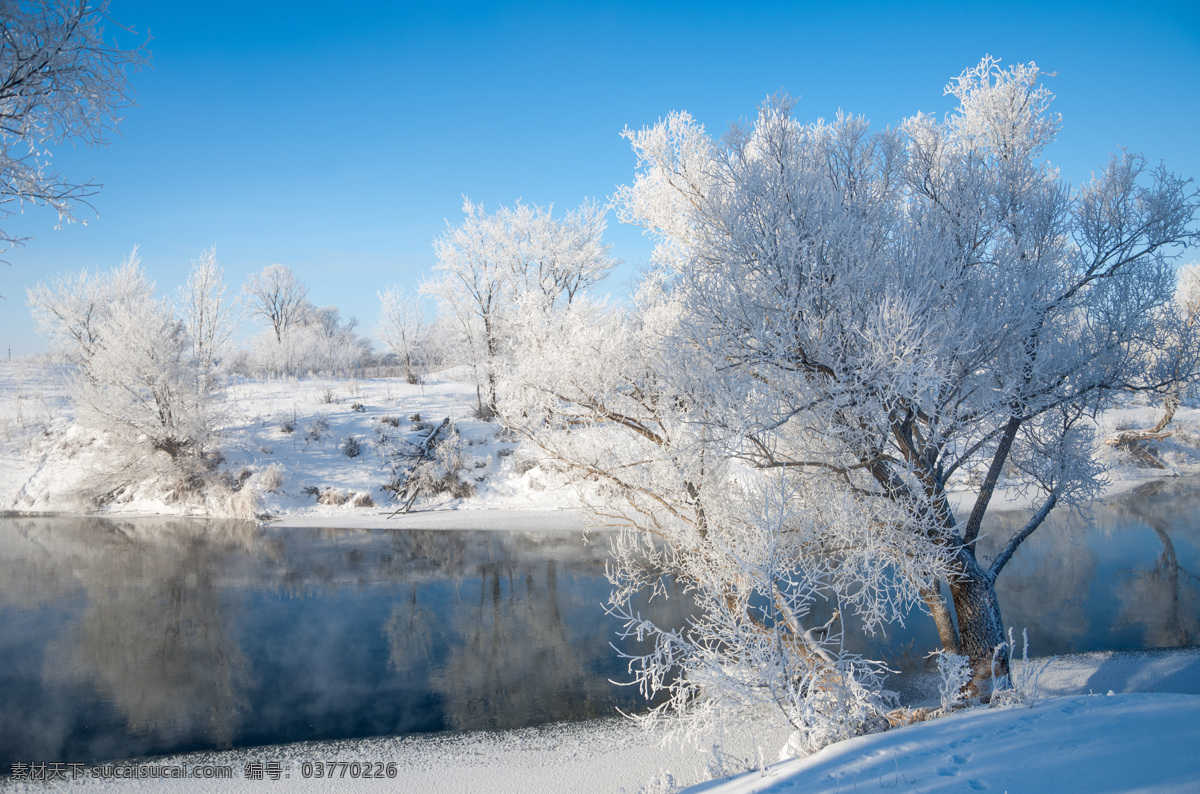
(316, 340)
(402, 325)
(60, 81)
(336, 345)
(278, 297)
(209, 313)
(141, 383)
(70, 307)
(522, 255)
(841, 325)
(135, 380)
(302, 337)
(1187, 303)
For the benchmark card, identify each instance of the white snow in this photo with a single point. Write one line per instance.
(45, 455)
(1093, 743)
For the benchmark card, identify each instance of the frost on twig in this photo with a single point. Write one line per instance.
(750, 646)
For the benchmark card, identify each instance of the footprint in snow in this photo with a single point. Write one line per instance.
(957, 761)
(977, 785)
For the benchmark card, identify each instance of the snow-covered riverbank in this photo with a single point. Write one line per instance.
(285, 448)
(1144, 736)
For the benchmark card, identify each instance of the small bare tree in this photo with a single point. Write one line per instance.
(402, 324)
(278, 296)
(208, 311)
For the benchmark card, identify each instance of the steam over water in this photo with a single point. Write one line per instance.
(128, 638)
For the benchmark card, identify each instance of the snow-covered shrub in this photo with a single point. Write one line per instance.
(523, 461)
(440, 473)
(317, 429)
(271, 478)
(1022, 686)
(362, 499)
(220, 500)
(663, 783)
(332, 496)
(955, 672)
(430, 464)
(351, 447)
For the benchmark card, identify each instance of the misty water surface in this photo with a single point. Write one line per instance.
(144, 637)
(129, 638)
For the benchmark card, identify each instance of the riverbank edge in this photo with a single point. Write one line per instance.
(608, 754)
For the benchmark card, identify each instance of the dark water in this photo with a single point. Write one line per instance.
(1123, 575)
(120, 639)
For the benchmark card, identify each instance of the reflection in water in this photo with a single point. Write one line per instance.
(129, 638)
(145, 637)
(1120, 576)
(137, 620)
(1165, 598)
(410, 635)
(1046, 588)
(1116, 578)
(158, 648)
(511, 628)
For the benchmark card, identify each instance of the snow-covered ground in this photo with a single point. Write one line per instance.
(284, 442)
(1093, 743)
(1145, 736)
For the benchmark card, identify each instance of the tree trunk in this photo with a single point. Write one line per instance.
(980, 627)
(941, 617)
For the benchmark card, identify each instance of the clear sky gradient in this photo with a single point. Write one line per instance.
(338, 139)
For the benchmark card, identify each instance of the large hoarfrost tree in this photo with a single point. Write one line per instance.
(518, 256)
(844, 326)
(60, 81)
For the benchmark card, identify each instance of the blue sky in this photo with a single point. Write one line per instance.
(339, 139)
